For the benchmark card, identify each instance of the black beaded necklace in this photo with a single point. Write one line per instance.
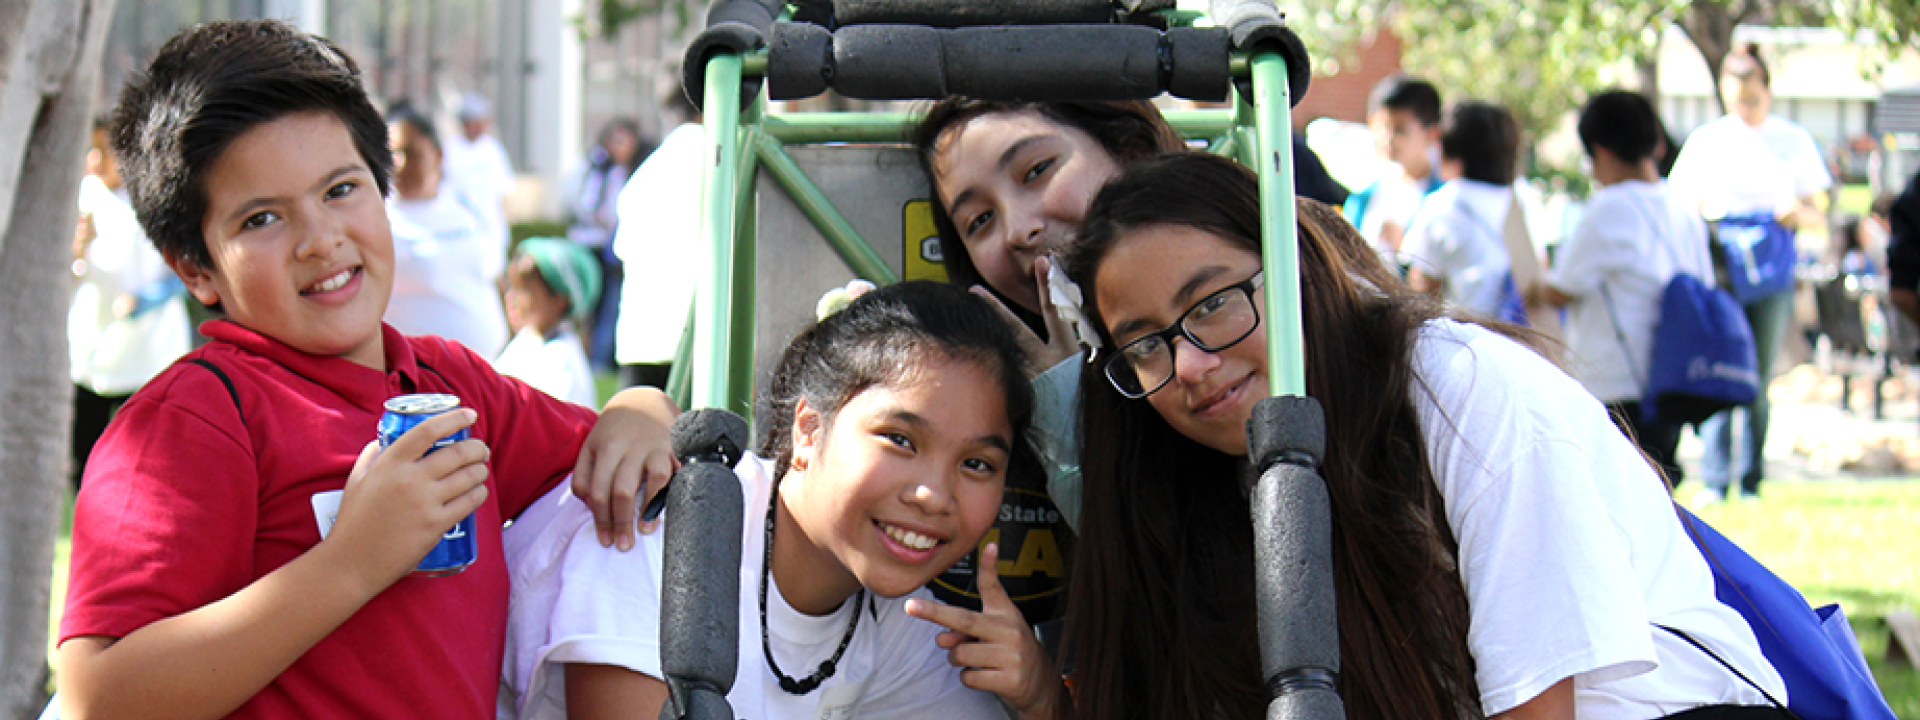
(828, 666)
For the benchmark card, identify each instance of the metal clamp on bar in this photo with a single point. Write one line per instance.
(736, 26)
(1254, 25)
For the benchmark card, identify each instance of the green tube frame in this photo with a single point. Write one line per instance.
(719, 343)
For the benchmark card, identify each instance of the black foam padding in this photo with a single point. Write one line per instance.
(1289, 428)
(692, 702)
(1293, 571)
(1055, 63)
(701, 434)
(799, 61)
(886, 62)
(700, 593)
(1199, 56)
(1307, 706)
(750, 12)
(729, 36)
(960, 13)
(1251, 23)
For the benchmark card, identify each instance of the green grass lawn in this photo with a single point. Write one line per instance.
(1845, 542)
(1837, 541)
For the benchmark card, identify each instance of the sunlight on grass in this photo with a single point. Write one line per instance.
(1842, 542)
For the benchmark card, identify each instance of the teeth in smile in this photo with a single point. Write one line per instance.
(333, 283)
(910, 538)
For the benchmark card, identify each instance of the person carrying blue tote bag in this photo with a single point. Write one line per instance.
(1759, 253)
(1814, 650)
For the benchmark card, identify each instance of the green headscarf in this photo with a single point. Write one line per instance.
(571, 270)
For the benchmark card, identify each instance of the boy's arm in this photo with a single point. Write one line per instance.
(626, 453)
(206, 662)
(610, 692)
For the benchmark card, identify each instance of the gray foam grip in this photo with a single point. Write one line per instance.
(1200, 70)
(799, 61)
(1286, 426)
(700, 593)
(948, 13)
(708, 430)
(1250, 23)
(1293, 571)
(881, 62)
(1058, 62)
(699, 704)
(1307, 706)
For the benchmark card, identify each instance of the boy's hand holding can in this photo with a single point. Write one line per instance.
(400, 501)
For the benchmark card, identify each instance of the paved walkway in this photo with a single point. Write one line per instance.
(1810, 437)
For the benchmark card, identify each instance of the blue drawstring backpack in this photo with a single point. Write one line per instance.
(1813, 649)
(1703, 355)
(1759, 254)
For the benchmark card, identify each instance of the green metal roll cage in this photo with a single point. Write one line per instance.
(714, 364)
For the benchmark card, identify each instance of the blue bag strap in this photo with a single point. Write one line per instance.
(1693, 533)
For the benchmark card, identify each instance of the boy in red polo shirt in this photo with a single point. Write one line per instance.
(201, 586)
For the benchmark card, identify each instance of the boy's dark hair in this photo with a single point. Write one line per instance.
(1485, 139)
(885, 336)
(209, 85)
(1411, 94)
(1624, 123)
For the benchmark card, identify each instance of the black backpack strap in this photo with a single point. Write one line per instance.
(1730, 668)
(224, 380)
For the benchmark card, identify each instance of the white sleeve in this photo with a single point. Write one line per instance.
(1549, 579)
(913, 679)
(1429, 241)
(1809, 166)
(576, 602)
(1597, 246)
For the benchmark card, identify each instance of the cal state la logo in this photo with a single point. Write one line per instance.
(1033, 562)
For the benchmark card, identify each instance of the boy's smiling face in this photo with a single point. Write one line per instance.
(298, 234)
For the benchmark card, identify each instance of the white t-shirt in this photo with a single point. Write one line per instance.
(1631, 242)
(110, 353)
(658, 240)
(1456, 238)
(481, 175)
(440, 281)
(1729, 167)
(557, 367)
(574, 601)
(1396, 199)
(1523, 457)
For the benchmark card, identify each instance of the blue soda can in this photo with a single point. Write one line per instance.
(456, 549)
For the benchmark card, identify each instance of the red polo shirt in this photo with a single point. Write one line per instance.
(187, 499)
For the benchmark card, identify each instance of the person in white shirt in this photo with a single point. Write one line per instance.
(1499, 548)
(1455, 249)
(657, 242)
(442, 284)
(552, 286)
(1404, 114)
(127, 321)
(1748, 163)
(477, 170)
(1611, 273)
(893, 425)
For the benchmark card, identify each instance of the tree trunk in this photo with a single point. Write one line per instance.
(49, 70)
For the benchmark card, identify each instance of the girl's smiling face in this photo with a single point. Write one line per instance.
(298, 236)
(1017, 185)
(1149, 279)
(894, 488)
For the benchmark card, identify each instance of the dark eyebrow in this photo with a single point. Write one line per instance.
(1180, 297)
(913, 419)
(247, 208)
(1006, 159)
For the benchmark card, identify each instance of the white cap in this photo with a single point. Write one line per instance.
(474, 106)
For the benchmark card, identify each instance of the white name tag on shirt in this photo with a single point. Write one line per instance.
(326, 508)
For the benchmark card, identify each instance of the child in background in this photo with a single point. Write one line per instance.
(552, 286)
(201, 586)
(894, 424)
(1404, 114)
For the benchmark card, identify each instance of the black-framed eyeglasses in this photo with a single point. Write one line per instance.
(1215, 323)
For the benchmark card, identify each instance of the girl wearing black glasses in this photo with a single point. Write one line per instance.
(1500, 550)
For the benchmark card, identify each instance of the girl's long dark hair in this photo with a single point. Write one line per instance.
(1161, 599)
